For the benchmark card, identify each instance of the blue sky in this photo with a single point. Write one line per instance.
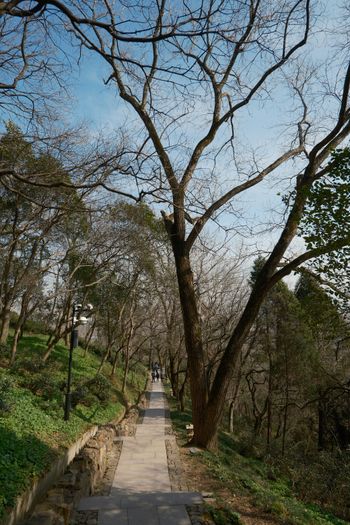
(102, 111)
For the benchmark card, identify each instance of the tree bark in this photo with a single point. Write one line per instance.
(206, 434)
(5, 325)
(193, 341)
(321, 425)
(230, 419)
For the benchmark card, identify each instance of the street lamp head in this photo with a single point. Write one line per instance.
(90, 307)
(83, 320)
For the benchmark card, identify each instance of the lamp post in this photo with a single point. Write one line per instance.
(76, 320)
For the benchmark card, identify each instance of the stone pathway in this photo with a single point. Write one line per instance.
(141, 491)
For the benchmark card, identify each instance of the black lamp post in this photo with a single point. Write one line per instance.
(73, 344)
(76, 320)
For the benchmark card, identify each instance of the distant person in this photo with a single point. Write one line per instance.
(157, 374)
(153, 374)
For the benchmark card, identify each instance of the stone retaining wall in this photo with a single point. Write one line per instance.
(80, 479)
(51, 499)
(28, 499)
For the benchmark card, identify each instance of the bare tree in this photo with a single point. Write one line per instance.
(188, 71)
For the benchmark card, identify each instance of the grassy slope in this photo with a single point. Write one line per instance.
(33, 432)
(253, 479)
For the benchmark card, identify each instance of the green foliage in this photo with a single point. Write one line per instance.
(33, 433)
(4, 350)
(257, 267)
(6, 394)
(223, 515)
(320, 477)
(82, 396)
(253, 477)
(36, 326)
(29, 365)
(15, 151)
(327, 214)
(100, 387)
(319, 309)
(141, 230)
(268, 487)
(327, 218)
(23, 457)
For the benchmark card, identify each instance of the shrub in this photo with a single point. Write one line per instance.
(224, 516)
(6, 394)
(13, 319)
(95, 348)
(100, 387)
(27, 364)
(322, 478)
(36, 326)
(4, 350)
(43, 385)
(37, 376)
(85, 394)
(82, 396)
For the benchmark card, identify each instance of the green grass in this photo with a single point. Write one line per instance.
(32, 430)
(253, 478)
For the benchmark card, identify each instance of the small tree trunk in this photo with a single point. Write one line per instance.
(5, 325)
(14, 344)
(269, 406)
(105, 356)
(173, 377)
(230, 419)
(321, 426)
(285, 418)
(182, 392)
(88, 338)
(51, 346)
(54, 340)
(126, 370)
(115, 361)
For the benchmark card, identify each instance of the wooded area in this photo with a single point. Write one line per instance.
(155, 224)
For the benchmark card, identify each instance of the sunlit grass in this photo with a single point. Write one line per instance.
(32, 429)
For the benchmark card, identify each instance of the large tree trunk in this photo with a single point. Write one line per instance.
(208, 407)
(193, 341)
(206, 434)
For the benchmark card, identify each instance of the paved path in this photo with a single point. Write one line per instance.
(141, 491)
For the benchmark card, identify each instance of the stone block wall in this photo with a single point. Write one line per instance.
(80, 479)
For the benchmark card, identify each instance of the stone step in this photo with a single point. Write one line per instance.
(146, 516)
(122, 500)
